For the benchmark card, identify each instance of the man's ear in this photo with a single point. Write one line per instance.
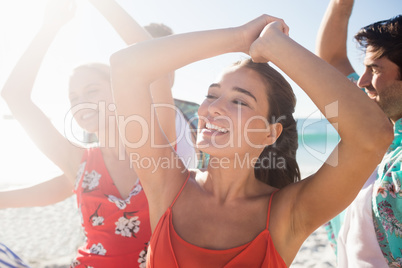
(274, 132)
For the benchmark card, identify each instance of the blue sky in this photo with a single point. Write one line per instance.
(89, 38)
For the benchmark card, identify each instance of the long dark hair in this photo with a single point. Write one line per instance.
(277, 164)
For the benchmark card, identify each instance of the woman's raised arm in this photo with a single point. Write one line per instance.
(46, 193)
(134, 69)
(131, 32)
(364, 130)
(125, 25)
(332, 47)
(18, 88)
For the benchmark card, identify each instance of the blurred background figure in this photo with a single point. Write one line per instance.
(112, 204)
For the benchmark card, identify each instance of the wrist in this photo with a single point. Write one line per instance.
(344, 7)
(267, 47)
(103, 4)
(237, 40)
(242, 40)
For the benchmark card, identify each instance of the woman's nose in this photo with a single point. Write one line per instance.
(217, 107)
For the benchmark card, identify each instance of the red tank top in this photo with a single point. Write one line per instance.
(168, 250)
(117, 230)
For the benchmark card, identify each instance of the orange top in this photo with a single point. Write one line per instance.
(167, 249)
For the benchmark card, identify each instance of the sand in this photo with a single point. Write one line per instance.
(315, 252)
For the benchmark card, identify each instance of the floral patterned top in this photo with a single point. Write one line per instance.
(117, 230)
(387, 201)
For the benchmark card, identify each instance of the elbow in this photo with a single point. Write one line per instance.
(320, 52)
(124, 64)
(5, 94)
(14, 100)
(9, 97)
(127, 59)
(127, 65)
(117, 61)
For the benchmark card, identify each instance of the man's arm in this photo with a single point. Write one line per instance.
(332, 35)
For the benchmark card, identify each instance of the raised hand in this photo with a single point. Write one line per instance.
(333, 47)
(259, 49)
(59, 12)
(252, 30)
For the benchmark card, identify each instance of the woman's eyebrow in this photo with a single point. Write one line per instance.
(215, 85)
(244, 91)
(238, 89)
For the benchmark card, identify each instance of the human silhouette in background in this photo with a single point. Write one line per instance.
(110, 198)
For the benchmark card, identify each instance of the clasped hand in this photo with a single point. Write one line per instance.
(59, 12)
(257, 34)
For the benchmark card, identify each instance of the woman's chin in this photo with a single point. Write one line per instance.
(214, 151)
(89, 128)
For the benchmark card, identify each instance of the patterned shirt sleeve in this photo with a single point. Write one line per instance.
(387, 201)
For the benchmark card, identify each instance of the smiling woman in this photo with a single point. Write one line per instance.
(90, 84)
(113, 206)
(243, 218)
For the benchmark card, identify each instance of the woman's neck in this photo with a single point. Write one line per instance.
(229, 180)
(109, 137)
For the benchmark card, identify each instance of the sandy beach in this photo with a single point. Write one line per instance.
(48, 237)
(315, 252)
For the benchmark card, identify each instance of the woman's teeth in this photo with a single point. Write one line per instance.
(88, 115)
(211, 126)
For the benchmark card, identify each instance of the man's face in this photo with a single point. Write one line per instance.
(382, 82)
